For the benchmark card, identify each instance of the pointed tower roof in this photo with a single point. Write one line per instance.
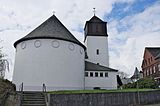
(95, 27)
(136, 74)
(52, 28)
(95, 19)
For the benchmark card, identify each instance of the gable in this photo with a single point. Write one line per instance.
(149, 56)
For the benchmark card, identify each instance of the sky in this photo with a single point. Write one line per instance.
(132, 25)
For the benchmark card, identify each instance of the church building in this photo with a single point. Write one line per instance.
(51, 55)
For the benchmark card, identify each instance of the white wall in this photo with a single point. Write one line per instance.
(58, 67)
(97, 42)
(109, 82)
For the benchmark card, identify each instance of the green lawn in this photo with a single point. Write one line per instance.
(96, 91)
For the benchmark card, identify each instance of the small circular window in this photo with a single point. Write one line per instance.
(23, 45)
(81, 50)
(37, 43)
(55, 44)
(71, 47)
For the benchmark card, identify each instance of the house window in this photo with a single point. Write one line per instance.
(151, 70)
(101, 74)
(144, 72)
(147, 72)
(106, 74)
(146, 62)
(159, 67)
(154, 69)
(149, 60)
(97, 51)
(96, 74)
(91, 74)
(86, 74)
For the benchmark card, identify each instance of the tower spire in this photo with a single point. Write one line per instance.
(53, 12)
(94, 11)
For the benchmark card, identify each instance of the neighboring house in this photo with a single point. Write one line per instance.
(151, 63)
(51, 55)
(137, 75)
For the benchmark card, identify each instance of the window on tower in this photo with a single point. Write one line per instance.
(97, 51)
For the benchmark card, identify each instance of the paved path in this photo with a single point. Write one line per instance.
(153, 105)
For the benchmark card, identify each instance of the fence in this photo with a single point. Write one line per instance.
(105, 99)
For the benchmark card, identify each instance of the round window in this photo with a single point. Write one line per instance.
(55, 44)
(71, 47)
(37, 43)
(23, 45)
(81, 50)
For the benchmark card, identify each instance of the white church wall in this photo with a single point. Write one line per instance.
(104, 82)
(58, 64)
(99, 43)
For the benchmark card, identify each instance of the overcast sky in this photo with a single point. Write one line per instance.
(132, 25)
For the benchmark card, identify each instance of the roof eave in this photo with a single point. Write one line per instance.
(21, 40)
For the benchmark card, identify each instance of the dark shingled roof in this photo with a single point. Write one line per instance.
(158, 56)
(89, 66)
(52, 28)
(136, 74)
(95, 19)
(154, 50)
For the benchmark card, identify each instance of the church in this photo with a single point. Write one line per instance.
(51, 55)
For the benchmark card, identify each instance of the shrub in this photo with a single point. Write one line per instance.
(142, 83)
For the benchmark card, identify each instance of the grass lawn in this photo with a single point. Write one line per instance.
(97, 91)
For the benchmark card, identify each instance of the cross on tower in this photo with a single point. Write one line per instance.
(94, 11)
(53, 12)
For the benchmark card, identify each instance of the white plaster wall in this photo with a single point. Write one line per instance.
(109, 82)
(59, 68)
(97, 42)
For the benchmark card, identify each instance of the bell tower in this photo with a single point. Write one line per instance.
(96, 41)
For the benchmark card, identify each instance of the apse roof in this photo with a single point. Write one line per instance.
(89, 66)
(52, 28)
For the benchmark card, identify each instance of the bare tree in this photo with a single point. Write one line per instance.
(4, 64)
(122, 74)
